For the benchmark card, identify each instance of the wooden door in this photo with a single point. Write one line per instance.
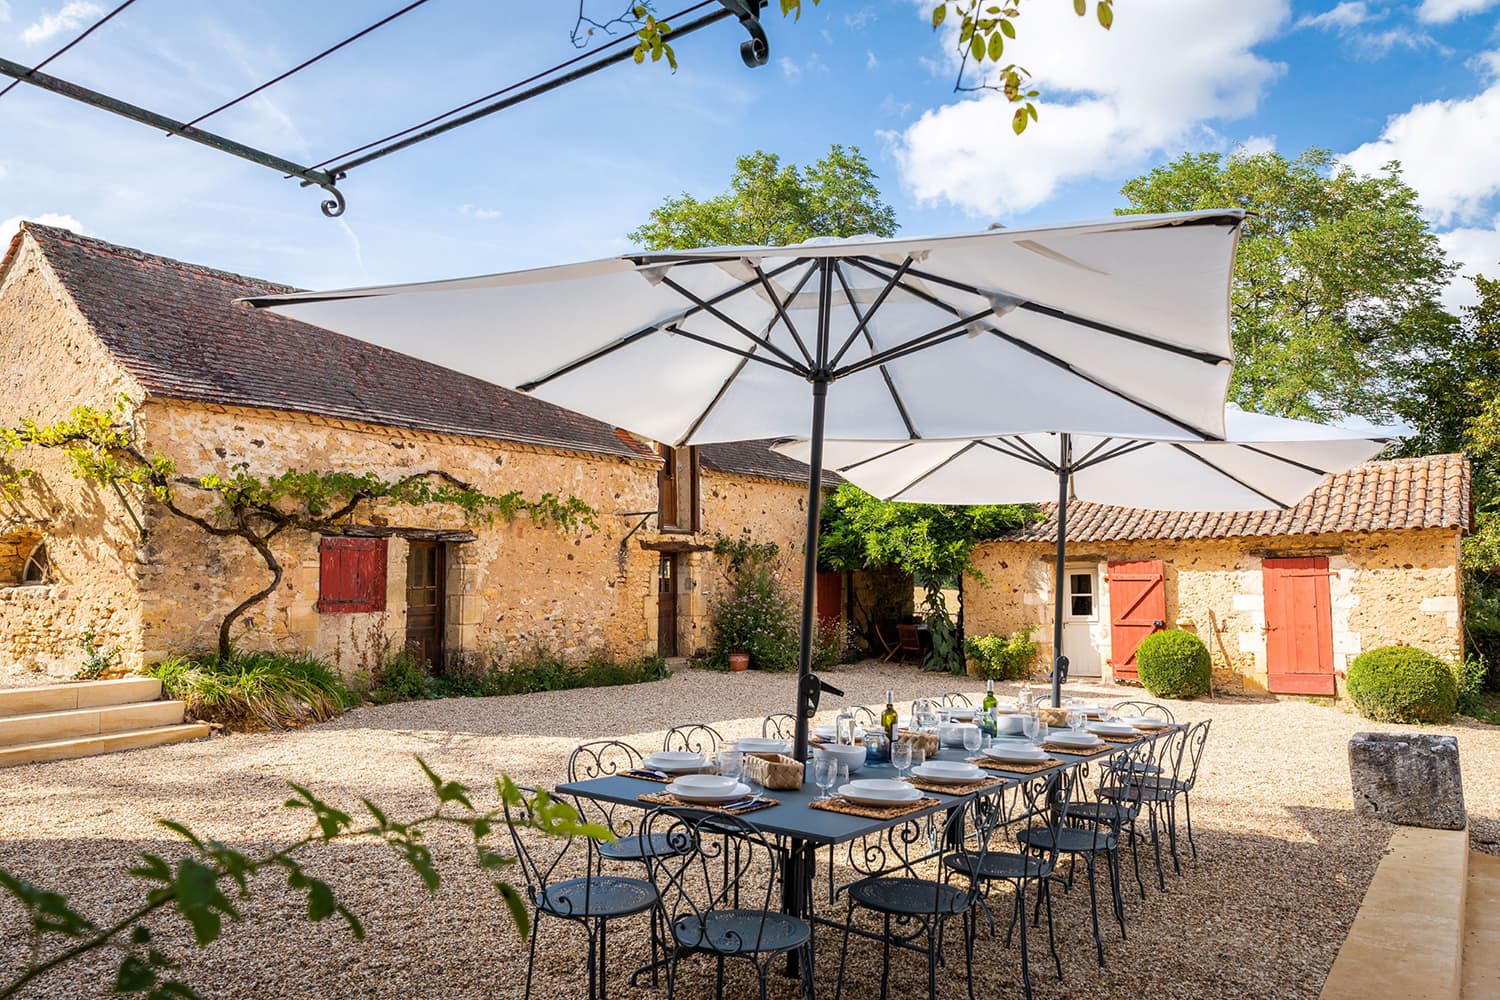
(666, 514)
(424, 601)
(666, 605)
(1299, 626)
(830, 599)
(1137, 607)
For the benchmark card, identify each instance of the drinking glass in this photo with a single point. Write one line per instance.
(1075, 719)
(973, 739)
(729, 763)
(918, 756)
(754, 776)
(1031, 726)
(901, 757)
(825, 773)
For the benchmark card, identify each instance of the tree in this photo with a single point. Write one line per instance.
(102, 449)
(771, 204)
(1335, 296)
(932, 542)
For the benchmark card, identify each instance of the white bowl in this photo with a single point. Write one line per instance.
(1066, 737)
(1139, 720)
(1019, 753)
(1010, 725)
(734, 790)
(957, 714)
(948, 772)
(880, 786)
(676, 760)
(865, 792)
(851, 757)
(952, 733)
(1111, 728)
(827, 732)
(760, 744)
(705, 782)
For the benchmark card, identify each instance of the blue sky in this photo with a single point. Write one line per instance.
(568, 175)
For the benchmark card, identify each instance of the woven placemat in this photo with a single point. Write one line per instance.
(1152, 727)
(668, 799)
(838, 804)
(1014, 766)
(948, 788)
(1112, 738)
(1076, 751)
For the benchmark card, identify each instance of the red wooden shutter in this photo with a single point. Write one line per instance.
(1299, 626)
(1137, 607)
(351, 575)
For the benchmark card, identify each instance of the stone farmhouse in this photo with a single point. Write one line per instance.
(1284, 600)
(213, 384)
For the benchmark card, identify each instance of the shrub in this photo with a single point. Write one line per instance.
(402, 677)
(251, 690)
(752, 612)
(1470, 674)
(1174, 664)
(96, 662)
(833, 644)
(1402, 684)
(1003, 657)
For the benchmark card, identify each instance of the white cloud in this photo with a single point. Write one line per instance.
(9, 226)
(789, 69)
(475, 212)
(1448, 151)
(1476, 251)
(1443, 11)
(4, 12)
(73, 14)
(871, 62)
(1341, 18)
(1256, 144)
(1110, 100)
(861, 18)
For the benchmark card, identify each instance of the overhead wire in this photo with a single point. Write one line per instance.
(306, 63)
(86, 33)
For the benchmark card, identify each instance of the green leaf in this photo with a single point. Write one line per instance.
(997, 46)
(1008, 28)
(1018, 121)
(976, 47)
(134, 976)
(517, 906)
(1106, 14)
(196, 893)
(1080, 7)
(939, 14)
(320, 902)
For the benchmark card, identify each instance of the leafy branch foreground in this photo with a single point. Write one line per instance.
(202, 887)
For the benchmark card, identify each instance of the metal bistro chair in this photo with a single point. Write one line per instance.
(707, 889)
(591, 900)
(916, 896)
(955, 699)
(695, 737)
(1037, 802)
(1181, 783)
(1143, 782)
(1146, 709)
(1121, 795)
(781, 726)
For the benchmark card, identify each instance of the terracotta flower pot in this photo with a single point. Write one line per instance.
(739, 661)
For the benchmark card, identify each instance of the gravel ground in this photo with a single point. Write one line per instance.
(1283, 863)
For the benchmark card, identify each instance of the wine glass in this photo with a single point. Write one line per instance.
(901, 757)
(1031, 726)
(753, 774)
(1075, 719)
(973, 739)
(825, 773)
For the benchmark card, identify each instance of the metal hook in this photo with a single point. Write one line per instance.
(756, 51)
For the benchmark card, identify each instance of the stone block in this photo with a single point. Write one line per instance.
(1439, 605)
(1411, 779)
(1248, 602)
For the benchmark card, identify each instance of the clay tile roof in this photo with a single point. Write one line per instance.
(176, 329)
(1403, 493)
(755, 458)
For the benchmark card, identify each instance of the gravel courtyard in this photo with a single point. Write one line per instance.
(1261, 914)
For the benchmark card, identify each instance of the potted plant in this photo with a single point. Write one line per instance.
(739, 660)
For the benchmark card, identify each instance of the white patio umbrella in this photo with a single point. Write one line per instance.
(1263, 463)
(1117, 326)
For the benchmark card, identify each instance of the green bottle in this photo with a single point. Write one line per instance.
(888, 718)
(989, 707)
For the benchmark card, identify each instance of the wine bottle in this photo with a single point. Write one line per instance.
(888, 718)
(988, 709)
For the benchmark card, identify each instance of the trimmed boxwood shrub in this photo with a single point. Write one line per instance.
(1174, 664)
(1402, 684)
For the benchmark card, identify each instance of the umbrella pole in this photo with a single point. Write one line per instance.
(810, 568)
(1059, 661)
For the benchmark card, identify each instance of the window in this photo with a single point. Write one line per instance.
(351, 575)
(38, 570)
(1081, 594)
(677, 507)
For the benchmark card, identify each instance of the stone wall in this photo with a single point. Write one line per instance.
(51, 362)
(1385, 587)
(516, 586)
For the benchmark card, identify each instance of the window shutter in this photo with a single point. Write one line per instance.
(351, 575)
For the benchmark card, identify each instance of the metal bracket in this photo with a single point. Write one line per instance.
(332, 207)
(756, 51)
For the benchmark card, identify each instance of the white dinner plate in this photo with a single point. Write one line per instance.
(737, 791)
(865, 793)
(948, 773)
(760, 744)
(1139, 720)
(1016, 753)
(705, 783)
(959, 714)
(1067, 737)
(1111, 728)
(676, 761)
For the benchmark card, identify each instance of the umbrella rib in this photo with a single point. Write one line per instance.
(1040, 461)
(631, 338)
(890, 286)
(1206, 357)
(935, 469)
(929, 339)
(723, 391)
(1068, 366)
(1103, 443)
(875, 458)
(781, 308)
(678, 331)
(1124, 449)
(1289, 461)
(733, 324)
(1230, 476)
(890, 383)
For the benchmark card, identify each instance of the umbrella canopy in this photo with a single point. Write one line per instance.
(1118, 326)
(1263, 463)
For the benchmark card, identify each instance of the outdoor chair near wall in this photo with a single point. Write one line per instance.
(955, 699)
(865, 717)
(591, 900)
(917, 891)
(695, 737)
(910, 639)
(1035, 804)
(719, 892)
(781, 726)
(891, 648)
(1146, 709)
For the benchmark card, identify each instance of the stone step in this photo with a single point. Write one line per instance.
(1481, 968)
(79, 694)
(1407, 939)
(43, 727)
(35, 753)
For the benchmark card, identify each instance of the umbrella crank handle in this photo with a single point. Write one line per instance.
(813, 687)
